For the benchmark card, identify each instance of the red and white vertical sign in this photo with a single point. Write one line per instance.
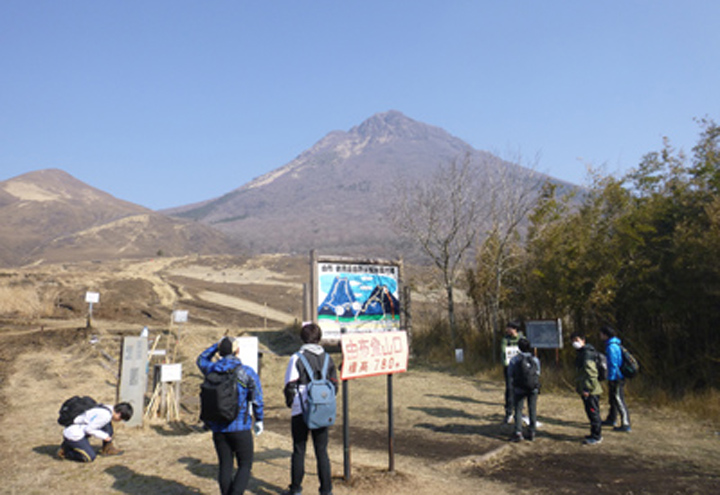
(370, 354)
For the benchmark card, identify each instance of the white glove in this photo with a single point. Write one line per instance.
(258, 428)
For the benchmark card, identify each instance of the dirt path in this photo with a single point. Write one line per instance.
(246, 306)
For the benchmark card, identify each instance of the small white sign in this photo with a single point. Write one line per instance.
(459, 355)
(510, 352)
(180, 316)
(171, 372)
(249, 351)
(92, 297)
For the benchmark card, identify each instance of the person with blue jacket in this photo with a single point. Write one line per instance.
(234, 439)
(616, 381)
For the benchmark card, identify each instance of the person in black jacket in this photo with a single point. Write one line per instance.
(522, 391)
(296, 380)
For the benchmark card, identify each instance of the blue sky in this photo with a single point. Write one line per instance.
(165, 103)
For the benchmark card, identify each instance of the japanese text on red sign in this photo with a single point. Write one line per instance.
(371, 354)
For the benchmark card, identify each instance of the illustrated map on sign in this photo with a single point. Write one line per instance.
(358, 301)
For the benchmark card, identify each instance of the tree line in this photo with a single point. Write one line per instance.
(640, 252)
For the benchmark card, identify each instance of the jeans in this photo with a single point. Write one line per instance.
(230, 446)
(320, 442)
(518, 399)
(81, 450)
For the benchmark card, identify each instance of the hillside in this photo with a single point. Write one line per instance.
(49, 215)
(336, 195)
(449, 436)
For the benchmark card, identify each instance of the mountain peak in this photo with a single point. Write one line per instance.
(393, 124)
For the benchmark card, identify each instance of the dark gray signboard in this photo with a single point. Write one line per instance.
(544, 334)
(133, 376)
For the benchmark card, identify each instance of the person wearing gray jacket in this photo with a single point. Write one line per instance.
(296, 381)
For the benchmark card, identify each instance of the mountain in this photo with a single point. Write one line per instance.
(333, 197)
(49, 215)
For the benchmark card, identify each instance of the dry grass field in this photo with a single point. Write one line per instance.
(448, 432)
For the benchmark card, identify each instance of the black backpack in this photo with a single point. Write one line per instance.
(601, 364)
(219, 397)
(526, 374)
(630, 366)
(74, 407)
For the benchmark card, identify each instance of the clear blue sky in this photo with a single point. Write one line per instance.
(165, 103)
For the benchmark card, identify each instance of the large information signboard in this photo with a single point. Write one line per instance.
(357, 297)
(370, 354)
(544, 334)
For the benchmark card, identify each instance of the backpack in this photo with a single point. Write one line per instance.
(602, 366)
(74, 407)
(526, 374)
(320, 409)
(630, 366)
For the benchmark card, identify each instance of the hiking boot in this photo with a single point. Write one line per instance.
(607, 422)
(517, 437)
(109, 448)
(624, 429)
(592, 441)
(60, 454)
(291, 492)
(530, 436)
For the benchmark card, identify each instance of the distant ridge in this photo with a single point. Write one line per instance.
(48, 215)
(333, 196)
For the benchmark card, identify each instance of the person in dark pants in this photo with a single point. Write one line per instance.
(508, 349)
(616, 381)
(234, 440)
(588, 385)
(296, 380)
(96, 422)
(522, 391)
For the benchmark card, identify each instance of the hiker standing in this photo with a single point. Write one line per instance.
(233, 439)
(524, 372)
(95, 422)
(588, 385)
(616, 381)
(508, 349)
(296, 381)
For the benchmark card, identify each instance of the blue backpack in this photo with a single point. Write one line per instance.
(320, 410)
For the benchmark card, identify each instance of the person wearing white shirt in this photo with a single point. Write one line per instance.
(96, 422)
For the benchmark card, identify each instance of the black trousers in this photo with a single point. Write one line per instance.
(230, 446)
(320, 438)
(509, 395)
(592, 409)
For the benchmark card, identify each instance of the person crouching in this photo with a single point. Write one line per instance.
(96, 422)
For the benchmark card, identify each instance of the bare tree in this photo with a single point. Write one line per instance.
(442, 215)
(510, 194)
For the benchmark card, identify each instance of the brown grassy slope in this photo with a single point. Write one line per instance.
(448, 436)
